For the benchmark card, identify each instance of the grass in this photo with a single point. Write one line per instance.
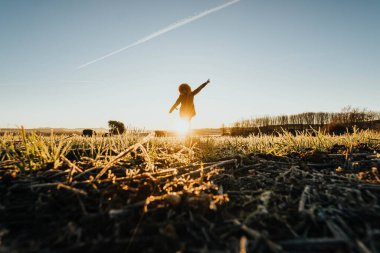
(29, 151)
(132, 191)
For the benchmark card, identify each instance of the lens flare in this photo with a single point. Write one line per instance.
(182, 127)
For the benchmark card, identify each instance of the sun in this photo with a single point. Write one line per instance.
(182, 127)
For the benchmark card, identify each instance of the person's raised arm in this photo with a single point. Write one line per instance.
(175, 104)
(197, 90)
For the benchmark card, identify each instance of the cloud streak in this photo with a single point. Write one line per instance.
(162, 31)
(52, 83)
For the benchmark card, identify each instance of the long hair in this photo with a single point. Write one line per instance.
(184, 88)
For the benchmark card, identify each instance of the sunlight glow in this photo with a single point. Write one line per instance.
(182, 127)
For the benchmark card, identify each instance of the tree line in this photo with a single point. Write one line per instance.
(348, 116)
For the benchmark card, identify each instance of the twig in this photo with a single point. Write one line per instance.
(71, 189)
(86, 172)
(122, 154)
(243, 244)
(56, 184)
(222, 163)
(45, 185)
(362, 247)
(273, 247)
(142, 175)
(312, 243)
(7, 163)
(336, 230)
(304, 195)
(73, 168)
(320, 165)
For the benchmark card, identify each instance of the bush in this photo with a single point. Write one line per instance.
(88, 132)
(116, 127)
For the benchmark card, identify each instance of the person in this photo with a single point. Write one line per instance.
(186, 99)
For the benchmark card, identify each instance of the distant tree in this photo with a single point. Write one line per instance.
(116, 127)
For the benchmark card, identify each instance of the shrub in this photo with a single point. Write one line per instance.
(116, 127)
(88, 132)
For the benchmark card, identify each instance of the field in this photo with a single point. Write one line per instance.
(139, 193)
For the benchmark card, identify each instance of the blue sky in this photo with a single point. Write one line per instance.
(263, 57)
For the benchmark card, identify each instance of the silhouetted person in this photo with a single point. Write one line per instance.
(186, 99)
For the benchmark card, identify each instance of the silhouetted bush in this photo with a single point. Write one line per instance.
(116, 127)
(88, 132)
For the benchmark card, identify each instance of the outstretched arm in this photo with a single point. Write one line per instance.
(175, 104)
(197, 90)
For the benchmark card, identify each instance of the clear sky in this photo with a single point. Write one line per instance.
(262, 56)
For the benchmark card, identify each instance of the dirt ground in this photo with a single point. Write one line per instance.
(312, 202)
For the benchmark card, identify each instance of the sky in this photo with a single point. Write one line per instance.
(78, 64)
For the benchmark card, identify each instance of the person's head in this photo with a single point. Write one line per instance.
(184, 88)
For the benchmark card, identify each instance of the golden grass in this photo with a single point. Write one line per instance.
(33, 152)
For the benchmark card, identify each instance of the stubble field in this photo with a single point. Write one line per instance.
(140, 193)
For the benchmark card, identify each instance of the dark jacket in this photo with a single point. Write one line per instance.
(187, 110)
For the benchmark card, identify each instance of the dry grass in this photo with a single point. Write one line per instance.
(149, 194)
(34, 152)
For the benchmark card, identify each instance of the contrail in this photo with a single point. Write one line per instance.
(162, 31)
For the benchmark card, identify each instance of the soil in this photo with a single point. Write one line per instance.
(315, 202)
